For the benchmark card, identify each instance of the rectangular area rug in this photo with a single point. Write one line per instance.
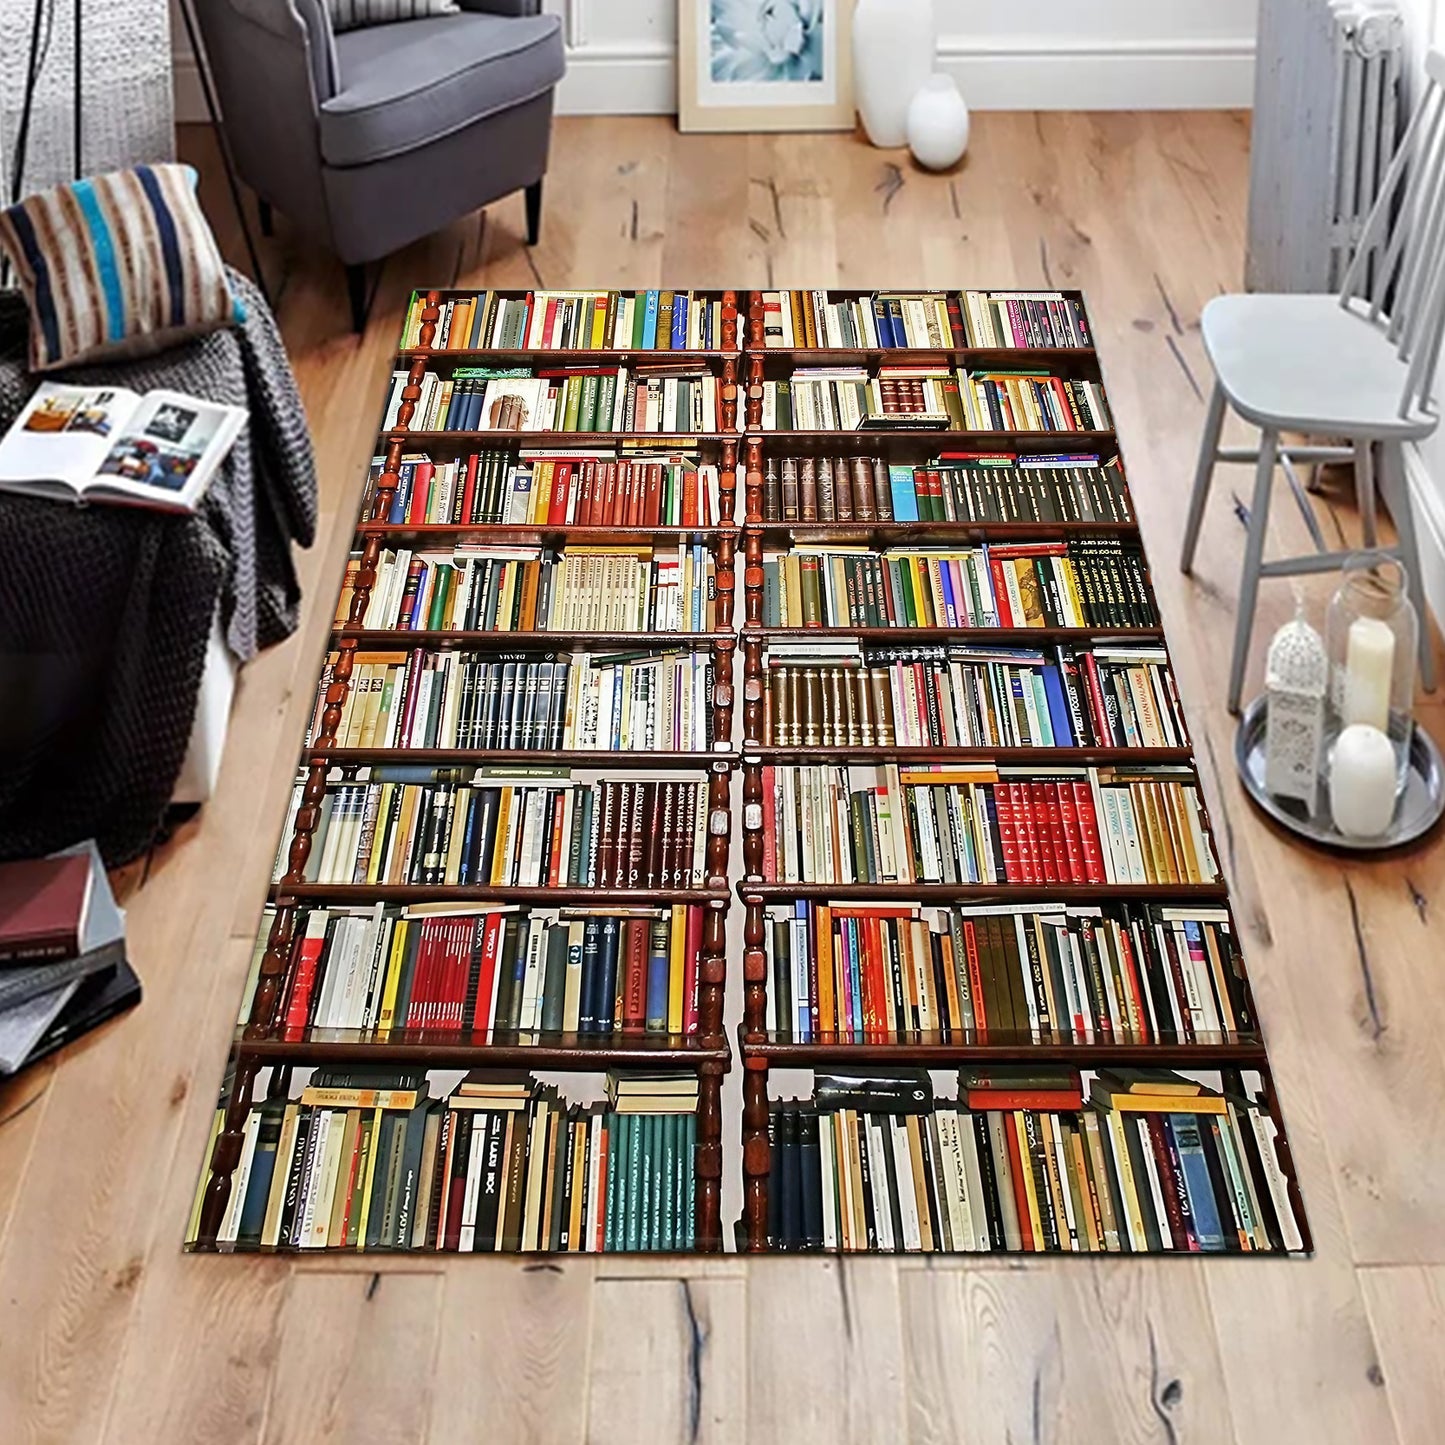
(943, 888)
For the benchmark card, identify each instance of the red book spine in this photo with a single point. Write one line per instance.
(558, 847)
(1168, 1186)
(636, 492)
(1064, 1099)
(415, 667)
(689, 499)
(975, 976)
(486, 984)
(1000, 593)
(416, 1004)
(609, 515)
(691, 947)
(461, 966)
(1017, 1165)
(298, 1010)
(561, 491)
(1073, 839)
(583, 512)
(652, 509)
(1096, 700)
(634, 981)
(1058, 838)
(420, 490)
(1047, 863)
(549, 317)
(770, 827)
(1089, 834)
(1008, 833)
(1138, 1013)
(469, 489)
(1026, 832)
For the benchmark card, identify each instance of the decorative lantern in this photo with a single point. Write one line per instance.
(1296, 679)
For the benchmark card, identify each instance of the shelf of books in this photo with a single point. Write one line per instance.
(974, 843)
(507, 852)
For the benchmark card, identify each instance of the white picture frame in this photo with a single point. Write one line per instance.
(765, 65)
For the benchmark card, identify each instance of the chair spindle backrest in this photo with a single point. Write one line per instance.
(1403, 286)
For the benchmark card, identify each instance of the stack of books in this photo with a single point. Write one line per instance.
(63, 966)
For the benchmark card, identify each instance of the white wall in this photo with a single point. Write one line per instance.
(1041, 54)
(1029, 55)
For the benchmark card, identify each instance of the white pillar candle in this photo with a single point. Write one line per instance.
(1369, 662)
(1362, 782)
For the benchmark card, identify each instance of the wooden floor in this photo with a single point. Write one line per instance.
(108, 1332)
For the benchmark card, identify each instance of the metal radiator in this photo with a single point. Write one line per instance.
(1327, 116)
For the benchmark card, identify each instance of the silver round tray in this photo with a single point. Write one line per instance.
(1417, 811)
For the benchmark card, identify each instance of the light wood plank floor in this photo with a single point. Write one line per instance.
(108, 1332)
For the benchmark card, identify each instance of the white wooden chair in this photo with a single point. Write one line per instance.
(1359, 366)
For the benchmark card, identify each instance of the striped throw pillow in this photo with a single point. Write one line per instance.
(353, 14)
(118, 265)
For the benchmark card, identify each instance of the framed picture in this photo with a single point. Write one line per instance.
(764, 65)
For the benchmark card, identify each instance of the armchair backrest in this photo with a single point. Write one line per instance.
(274, 62)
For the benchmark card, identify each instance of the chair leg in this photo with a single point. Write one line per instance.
(1396, 491)
(1253, 557)
(1203, 476)
(1365, 482)
(356, 293)
(268, 221)
(533, 194)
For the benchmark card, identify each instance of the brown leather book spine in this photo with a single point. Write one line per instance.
(790, 489)
(863, 490)
(882, 713)
(812, 707)
(807, 490)
(882, 491)
(827, 507)
(861, 686)
(842, 489)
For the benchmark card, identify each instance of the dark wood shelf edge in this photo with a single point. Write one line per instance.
(1042, 757)
(753, 890)
(668, 1052)
(575, 896)
(523, 757)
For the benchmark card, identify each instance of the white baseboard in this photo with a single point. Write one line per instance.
(1427, 499)
(639, 77)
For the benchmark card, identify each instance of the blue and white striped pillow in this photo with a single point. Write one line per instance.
(118, 265)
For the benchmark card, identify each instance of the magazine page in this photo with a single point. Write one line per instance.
(63, 434)
(167, 452)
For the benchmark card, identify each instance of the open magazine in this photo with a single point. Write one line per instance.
(107, 444)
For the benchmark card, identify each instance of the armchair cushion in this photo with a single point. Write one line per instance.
(403, 86)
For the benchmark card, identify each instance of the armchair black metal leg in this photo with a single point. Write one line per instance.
(268, 221)
(534, 212)
(356, 292)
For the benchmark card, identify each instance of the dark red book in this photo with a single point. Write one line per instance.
(43, 907)
(634, 974)
(1089, 833)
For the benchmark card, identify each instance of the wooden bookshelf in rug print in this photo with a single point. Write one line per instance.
(973, 838)
(508, 846)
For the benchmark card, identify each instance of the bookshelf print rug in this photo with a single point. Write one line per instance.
(959, 919)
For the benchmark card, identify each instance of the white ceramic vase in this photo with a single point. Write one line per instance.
(1362, 781)
(893, 47)
(937, 123)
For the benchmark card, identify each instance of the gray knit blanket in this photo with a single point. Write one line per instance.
(105, 611)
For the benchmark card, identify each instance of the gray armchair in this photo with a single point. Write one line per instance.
(372, 138)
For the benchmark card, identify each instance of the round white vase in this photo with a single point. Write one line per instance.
(937, 123)
(1362, 781)
(893, 47)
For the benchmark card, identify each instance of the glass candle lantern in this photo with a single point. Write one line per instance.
(1371, 636)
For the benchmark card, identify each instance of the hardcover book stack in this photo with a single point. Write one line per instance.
(984, 902)
(485, 1006)
(984, 919)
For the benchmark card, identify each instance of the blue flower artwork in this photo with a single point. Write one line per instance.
(767, 41)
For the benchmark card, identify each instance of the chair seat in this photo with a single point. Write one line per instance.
(1305, 363)
(406, 85)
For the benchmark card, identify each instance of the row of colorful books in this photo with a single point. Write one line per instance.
(427, 698)
(367, 1159)
(1004, 973)
(968, 825)
(1153, 1162)
(494, 969)
(1081, 582)
(571, 321)
(953, 487)
(507, 827)
(556, 488)
(843, 694)
(562, 399)
(478, 587)
(850, 398)
(923, 320)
